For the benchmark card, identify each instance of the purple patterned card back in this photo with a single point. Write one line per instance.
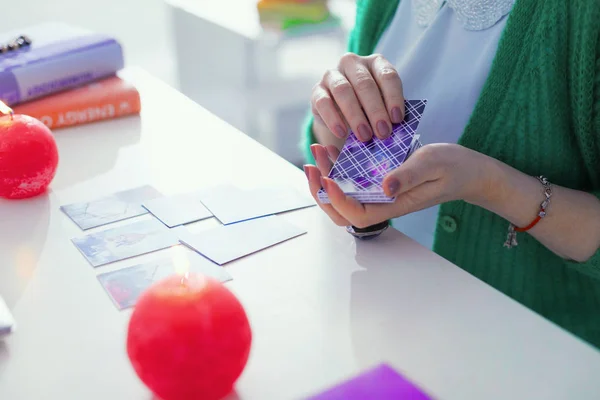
(381, 383)
(361, 167)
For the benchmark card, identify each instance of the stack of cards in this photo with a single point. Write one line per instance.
(249, 225)
(360, 168)
(249, 212)
(381, 383)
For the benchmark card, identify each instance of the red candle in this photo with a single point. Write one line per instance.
(189, 338)
(28, 155)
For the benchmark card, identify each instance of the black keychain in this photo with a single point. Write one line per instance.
(19, 43)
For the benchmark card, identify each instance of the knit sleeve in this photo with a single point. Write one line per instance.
(592, 266)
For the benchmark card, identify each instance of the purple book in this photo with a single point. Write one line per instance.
(379, 383)
(60, 57)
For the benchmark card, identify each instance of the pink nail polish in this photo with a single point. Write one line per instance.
(384, 129)
(364, 132)
(393, 185)
(397, 115)
(340, 132)
(306, 171)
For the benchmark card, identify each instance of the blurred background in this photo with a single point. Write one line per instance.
(251, 62)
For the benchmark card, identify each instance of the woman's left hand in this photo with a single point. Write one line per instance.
(434, 174)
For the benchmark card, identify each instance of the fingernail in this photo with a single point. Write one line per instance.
(306, 171)
(383, 128)
(396, 115)
(393, 185)
(340, 132)
(313, 152)
(365, 132)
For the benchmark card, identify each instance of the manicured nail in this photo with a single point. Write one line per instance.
(393, 185)
(306, 171)
(397, 115)
(340, 132)
(365, 132)
(384, 129)
(313, 152)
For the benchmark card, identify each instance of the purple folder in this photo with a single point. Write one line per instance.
(379, 383)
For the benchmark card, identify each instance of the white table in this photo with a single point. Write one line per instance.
(322, 307)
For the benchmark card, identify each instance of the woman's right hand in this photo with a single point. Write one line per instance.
(363, 94)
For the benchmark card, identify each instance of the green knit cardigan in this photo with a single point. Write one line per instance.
(539, 111)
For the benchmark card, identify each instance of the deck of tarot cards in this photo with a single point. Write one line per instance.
(361, 167)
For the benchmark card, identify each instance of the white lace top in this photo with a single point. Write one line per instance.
(443, 52)
(474, 15)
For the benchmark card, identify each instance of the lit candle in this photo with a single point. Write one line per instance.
(189, 338)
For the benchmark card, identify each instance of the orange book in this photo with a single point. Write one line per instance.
(105, 99)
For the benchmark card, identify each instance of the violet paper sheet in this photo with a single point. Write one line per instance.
(361, 167)
(381, 383)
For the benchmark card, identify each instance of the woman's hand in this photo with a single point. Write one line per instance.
(433, 175)
(439, 173)
(363, 94)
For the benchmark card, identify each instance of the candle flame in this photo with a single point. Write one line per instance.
(181, 263)
(4, 109)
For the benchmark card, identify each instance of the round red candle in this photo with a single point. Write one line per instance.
(28, 157)
(189, 338)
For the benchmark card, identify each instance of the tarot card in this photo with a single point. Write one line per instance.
(109, 209)
(381, 383)
(230, 204)
(178, 210)
(126, 241)
(125, 286)
(360, 168)
(231, 242)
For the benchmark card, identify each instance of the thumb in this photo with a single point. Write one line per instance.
(416, 170)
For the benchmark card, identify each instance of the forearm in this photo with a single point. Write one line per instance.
(571, 228)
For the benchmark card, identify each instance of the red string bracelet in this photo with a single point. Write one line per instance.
(511, 239)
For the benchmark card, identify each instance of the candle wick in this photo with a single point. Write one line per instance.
(184, 277)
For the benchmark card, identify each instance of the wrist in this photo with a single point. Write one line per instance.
(492, 188)
(509, 193)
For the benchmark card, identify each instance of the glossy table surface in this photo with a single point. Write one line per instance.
(323, 306)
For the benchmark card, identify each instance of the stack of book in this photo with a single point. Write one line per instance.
(286, 15)
(64, 76)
